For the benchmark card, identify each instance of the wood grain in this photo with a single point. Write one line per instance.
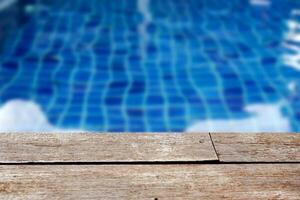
(24, 148)
(233, 147)
(261, 181)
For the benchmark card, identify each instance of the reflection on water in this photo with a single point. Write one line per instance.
(22, 116)
(18, 115)
(25, 116)
(4, 4)
(263, 118)
(144, 9)
(292, 42)
(260, 2)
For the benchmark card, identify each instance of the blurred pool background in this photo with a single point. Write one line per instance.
(150, 65)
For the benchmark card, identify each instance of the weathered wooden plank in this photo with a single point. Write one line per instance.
(229, 181)
(263, 147)
(22, 148)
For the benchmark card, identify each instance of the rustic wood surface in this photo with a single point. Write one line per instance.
(233, 147)
(228, 181)
(137, 166)
(23, 148)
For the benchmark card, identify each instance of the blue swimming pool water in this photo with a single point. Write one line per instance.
(139, 65)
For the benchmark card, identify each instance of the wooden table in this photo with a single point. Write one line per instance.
(150, 166)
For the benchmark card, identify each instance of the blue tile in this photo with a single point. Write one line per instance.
(101, 67)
